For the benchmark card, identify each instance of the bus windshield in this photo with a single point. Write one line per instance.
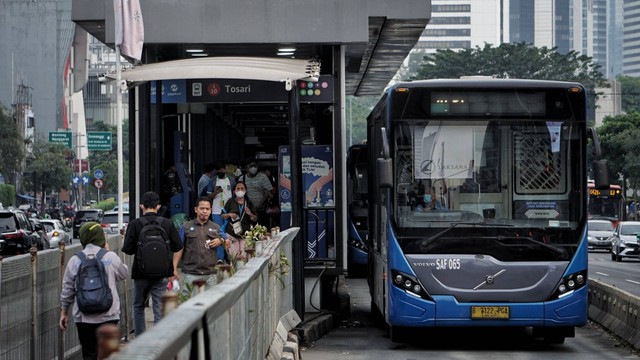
(462, 185)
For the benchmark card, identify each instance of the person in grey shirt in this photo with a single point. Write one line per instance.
(93, 239)
(259, 190)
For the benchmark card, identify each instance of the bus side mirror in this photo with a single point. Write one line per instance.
(599, 165)
(385, 171)
(600, 174)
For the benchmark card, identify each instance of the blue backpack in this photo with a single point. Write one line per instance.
(93, 294)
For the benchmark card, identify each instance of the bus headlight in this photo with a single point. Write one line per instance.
(409, 284)
(570, 283)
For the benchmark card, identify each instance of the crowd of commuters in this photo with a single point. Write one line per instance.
(228, 203)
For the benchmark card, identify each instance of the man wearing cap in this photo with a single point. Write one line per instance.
(92, 239)
(200, 239)
(144, 285)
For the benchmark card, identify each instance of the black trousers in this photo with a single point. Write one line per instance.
(89, 338)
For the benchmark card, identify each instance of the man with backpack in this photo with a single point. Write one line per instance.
(89, 283)
(152, 240)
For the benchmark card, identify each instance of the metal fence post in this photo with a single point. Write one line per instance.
(34, 300)
(62, 247)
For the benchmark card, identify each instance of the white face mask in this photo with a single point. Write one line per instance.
(253, 170)
(240, 193)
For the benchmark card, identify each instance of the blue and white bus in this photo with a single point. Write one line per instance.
(478, 205)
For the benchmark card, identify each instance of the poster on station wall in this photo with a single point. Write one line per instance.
(317, 185)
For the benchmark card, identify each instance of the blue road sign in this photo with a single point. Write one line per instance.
(85, 180)
(75, 180)
(98, 174)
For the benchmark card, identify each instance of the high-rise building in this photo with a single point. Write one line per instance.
(590, 27)
(35, 40)
(631, 38)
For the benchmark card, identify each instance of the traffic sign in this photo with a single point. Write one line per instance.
(76, 180)
(85, 179)
(98, 183)
(99, 140)
(98, 174)
(60, 137)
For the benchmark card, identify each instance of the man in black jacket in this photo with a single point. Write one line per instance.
(144, 284)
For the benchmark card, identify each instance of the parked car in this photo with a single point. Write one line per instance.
(17, 233)
(82, 216)
(625, 240)
(56, 231)
(110, 222)
(599, 234)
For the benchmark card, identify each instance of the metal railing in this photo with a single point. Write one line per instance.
(236, 319)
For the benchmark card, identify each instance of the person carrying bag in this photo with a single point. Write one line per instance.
(240, 213)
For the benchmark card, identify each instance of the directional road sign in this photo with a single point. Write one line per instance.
(85, 179)
(99, 140)
(98, 174)
(76, 180)
(60, 137)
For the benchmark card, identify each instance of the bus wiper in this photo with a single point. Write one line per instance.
(557, 249)
(444, 231)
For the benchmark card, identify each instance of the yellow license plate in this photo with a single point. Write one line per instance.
(489, 312)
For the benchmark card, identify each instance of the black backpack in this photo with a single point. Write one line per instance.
(93, 294)
(154, 255)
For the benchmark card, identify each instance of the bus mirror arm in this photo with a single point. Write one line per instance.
(599, 165)
(385, 171)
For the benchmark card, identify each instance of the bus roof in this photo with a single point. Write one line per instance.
(487, 83)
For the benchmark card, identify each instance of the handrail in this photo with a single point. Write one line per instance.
(235, 319)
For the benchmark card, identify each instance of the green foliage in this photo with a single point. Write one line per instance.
(520, 61)
(619, 139)
(106, 205)
(357, 110)
(630, 88)
(48, 167)
(7, 195)
(11, 146)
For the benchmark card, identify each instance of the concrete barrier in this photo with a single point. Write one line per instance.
(616, 310)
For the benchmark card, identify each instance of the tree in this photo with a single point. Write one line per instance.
(630, 88)
(619, 139)
(519, 60)
(11, 146)
(48, 167)
(357, 110)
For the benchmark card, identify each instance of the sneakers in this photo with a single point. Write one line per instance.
(220, 262)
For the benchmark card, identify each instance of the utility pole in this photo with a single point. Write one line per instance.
(79, 158)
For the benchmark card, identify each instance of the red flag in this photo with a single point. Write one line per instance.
(129, 28)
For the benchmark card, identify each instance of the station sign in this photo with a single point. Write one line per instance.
(241, 90)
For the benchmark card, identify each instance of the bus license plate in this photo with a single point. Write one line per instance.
(489, 312)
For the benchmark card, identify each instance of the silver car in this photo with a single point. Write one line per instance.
(625, 240)
(56, 231)
(109, 222)
(599, 234)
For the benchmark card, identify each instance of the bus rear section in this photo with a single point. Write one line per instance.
(482, 220)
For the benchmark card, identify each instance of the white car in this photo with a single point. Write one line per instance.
(625, 240)
(599, 234)
(56, 231)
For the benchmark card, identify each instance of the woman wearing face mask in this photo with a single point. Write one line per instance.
(239, 208)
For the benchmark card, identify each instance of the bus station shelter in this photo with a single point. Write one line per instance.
(232, 90)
